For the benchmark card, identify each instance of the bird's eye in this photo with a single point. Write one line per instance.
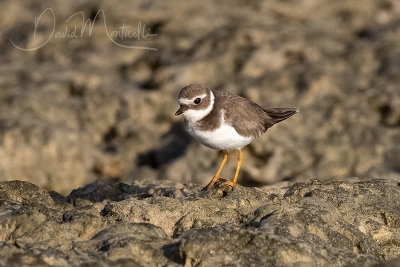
(197, 101)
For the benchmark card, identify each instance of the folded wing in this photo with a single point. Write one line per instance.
(248, 118)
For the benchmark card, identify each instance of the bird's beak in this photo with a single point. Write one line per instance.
(180, 111)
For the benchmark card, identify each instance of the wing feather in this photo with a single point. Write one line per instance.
(248, 118)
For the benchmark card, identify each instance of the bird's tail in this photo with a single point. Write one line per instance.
(280, 114)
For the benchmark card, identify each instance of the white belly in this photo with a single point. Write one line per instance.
(224, 137)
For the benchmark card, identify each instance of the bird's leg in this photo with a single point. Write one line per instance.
(216, 177)
(240, 159)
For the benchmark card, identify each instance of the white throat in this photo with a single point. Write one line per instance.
(192, 115)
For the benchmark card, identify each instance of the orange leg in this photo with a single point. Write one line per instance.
(240, 159)
(216, 177)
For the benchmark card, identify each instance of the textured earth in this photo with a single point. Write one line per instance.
(350, 222)
(83, 108)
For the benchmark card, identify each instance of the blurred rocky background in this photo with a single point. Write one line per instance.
(83, 108)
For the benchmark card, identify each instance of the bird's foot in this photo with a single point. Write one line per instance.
(218, 189)
(220, 184)
(230, 183)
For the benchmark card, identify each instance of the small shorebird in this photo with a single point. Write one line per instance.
(224, 121)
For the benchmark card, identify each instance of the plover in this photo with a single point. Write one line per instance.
(224, 121)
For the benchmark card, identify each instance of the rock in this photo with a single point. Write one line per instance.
(23, 192)
(347, 222)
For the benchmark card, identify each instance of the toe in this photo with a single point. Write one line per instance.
(231, 184)
(220, 183)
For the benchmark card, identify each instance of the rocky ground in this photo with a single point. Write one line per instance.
(79, 109)
(352, 222)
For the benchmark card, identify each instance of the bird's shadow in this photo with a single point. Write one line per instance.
(99, 191)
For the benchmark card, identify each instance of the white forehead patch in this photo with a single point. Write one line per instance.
(188, 101)
(193, 115)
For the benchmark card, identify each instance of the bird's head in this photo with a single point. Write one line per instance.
(196, 101)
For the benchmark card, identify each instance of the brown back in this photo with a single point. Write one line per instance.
(248, 118)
